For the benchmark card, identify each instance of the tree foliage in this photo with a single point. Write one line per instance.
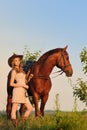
(83, 57)
(30, 56)
(80, 89)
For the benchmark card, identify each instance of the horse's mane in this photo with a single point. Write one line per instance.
(50, 52)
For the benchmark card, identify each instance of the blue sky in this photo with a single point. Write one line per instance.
(43, 25)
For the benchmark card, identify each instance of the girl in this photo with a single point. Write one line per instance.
(18, 81)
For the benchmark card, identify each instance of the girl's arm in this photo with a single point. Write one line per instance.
(13, 74)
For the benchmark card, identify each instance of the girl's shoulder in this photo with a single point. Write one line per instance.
(14, 71)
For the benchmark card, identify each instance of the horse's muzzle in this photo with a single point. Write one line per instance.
(69, 73)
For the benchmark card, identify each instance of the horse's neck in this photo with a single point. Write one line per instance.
(47, 66)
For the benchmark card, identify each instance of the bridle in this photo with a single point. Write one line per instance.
(63, 67)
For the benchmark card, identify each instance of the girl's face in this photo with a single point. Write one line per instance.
(16, 61)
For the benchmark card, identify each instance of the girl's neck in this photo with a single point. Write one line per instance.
(19, 69)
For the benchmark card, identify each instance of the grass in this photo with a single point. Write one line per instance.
(55, 121)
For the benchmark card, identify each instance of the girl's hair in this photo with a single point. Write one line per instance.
(18, 69)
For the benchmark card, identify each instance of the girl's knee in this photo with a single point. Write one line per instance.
(30, 108)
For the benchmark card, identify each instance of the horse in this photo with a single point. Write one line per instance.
(40, 85)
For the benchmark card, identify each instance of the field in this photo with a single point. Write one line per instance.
(56, 120)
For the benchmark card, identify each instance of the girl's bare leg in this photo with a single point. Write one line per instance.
(14, 110)
(13, 114)
(28, 111)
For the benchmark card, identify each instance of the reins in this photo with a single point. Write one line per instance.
(48, 77)
(60, 73)
(41, 77)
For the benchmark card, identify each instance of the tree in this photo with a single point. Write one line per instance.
(30, 56)
(80, 89)
(83, 57)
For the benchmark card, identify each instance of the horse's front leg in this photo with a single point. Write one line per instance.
(36, 98)
(43, 102)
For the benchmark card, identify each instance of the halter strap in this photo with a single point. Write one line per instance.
(41, 77)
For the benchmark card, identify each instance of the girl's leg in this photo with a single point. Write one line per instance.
(28, 111)
(13, 114)
(14, 110)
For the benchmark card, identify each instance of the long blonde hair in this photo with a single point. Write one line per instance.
(19, 68)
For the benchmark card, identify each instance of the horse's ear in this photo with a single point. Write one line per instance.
(65, 47)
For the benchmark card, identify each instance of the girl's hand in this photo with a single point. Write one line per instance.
(30, 77)
(26, 86)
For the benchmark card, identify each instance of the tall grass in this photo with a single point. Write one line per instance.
(56, 121)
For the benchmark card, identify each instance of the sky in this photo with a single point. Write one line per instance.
(44, 25)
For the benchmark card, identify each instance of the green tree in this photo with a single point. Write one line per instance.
(83, 57)
(80, 89)
(30, 56)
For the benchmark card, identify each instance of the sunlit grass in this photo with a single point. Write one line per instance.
(56, 121)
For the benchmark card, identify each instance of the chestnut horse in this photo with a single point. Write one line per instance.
(40, 84)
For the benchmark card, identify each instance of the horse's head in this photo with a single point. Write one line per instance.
(63, 63)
